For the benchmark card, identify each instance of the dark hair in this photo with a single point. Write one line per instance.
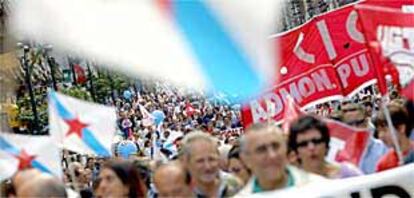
(129, 175)
(303, 124)
(234, 153)
(399, 116)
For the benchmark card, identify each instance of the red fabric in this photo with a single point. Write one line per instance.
(355, 140)
(388, 161)
(324, 59)
(377, 20)
(189, 109)
(80, 74)
(291, 113)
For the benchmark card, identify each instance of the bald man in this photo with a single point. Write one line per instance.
(264, 151)
(24, 176)
(42, 185)
(171, 180)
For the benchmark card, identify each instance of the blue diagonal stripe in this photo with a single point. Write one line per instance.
(36, 164)
(87, 136)
(95, 145)
(62, 111)
(7, 147)
(12, 150)
(225, 64)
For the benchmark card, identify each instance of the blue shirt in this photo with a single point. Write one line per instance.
(375, 150)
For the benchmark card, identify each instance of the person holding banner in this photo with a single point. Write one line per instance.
(309, 138)
(264, 151)
(402, 123)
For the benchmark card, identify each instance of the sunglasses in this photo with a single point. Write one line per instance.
(235, 170)
(314, 141)
(356, 122)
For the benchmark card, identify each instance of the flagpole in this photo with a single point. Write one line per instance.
(52, 65)
(92, 88)
(72, 68)
(393, 131)
(25, 64)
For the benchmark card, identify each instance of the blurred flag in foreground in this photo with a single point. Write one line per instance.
(18, 152)
(81, 126)
(215, 45)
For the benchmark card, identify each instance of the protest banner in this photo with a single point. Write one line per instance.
(397, 182)
(390, 33)
(325, 59)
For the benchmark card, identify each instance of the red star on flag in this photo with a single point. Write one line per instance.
(75, 127)
(25, 160)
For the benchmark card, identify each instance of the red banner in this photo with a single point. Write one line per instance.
(304, 74)
(345, 45)
(390, 33)
(325, 59)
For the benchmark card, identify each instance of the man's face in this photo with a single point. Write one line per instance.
(265, 155)
(179, 189)
(311, 147)
(355, 118)
(203, 161)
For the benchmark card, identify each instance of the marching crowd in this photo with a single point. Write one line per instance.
(200, 150)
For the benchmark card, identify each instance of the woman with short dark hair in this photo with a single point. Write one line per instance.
(309, 137)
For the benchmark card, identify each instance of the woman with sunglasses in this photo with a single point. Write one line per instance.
(309, 138)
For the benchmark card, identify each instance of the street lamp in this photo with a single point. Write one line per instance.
(25, 63)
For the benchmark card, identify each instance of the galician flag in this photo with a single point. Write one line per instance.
(81, 126)
(18, 152)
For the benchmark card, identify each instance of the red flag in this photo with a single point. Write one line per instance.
(291, 113)
(80, 74)
(345, 45)
(399, 4)
(390, 33)
(304, 72)
(349, 143)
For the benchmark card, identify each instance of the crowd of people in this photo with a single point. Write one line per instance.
(201, 150)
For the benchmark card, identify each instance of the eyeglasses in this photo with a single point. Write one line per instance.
(315, 141)
(356, 122)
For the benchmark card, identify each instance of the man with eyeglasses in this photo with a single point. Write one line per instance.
(264, 151)
(354, 114)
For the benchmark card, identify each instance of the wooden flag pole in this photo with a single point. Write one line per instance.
(393, 132)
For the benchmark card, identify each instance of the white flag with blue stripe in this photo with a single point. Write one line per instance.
(81, 126)
(218, 45)
(18, 152)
